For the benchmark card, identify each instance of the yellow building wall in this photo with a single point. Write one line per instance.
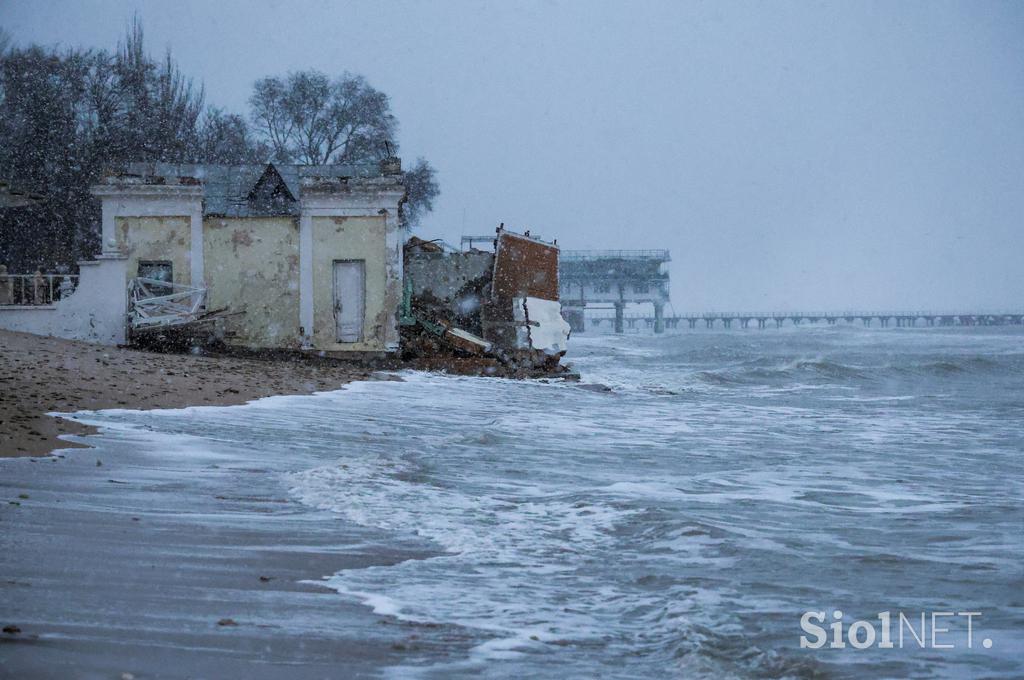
(251, 265)
(156, 238)
(350, 238)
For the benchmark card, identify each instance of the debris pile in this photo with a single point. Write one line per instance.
(500, 307)
(162, 313)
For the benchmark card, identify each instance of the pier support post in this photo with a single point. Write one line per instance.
(659, 317)
(620, 308)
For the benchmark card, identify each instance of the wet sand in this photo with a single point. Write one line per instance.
(140, 562)
(39, 375)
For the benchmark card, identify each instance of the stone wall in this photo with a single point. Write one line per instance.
(95, 312)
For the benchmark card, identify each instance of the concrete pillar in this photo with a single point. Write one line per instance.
(198, 272)
(659, 317)
(620, 308)
(109, 233)
(306, 279)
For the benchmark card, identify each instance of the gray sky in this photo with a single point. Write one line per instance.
(791, 155)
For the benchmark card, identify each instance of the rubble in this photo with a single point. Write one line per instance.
(501, 305)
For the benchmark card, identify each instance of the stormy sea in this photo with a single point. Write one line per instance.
(677, 511)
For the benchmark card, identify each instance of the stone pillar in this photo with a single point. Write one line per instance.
(659, 317)
(620, 308)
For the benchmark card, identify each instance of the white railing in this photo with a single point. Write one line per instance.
(150, 305)
(36, 289)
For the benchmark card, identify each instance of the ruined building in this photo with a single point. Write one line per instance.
(302, 257)
(289, 257)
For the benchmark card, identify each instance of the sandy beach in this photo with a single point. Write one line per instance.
(40, 375)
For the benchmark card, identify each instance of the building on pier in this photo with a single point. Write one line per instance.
(599, 278)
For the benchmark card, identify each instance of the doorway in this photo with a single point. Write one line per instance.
(349, 299)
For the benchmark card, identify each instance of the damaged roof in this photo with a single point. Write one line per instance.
(251, 190)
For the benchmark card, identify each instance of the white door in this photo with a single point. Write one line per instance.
(349, 299)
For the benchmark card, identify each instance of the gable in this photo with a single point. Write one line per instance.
(271, 196)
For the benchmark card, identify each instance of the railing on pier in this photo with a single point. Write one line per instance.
(584, 255)
(904, 318)
(36, 289)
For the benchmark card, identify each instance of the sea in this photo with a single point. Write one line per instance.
(701, 504)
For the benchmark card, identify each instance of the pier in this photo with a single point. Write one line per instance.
(593, 280)
(762, 320)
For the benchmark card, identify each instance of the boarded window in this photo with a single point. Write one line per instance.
(157, 270)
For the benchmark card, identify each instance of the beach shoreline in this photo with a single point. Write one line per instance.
(43, 375)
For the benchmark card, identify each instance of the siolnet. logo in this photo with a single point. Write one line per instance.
(925, 630)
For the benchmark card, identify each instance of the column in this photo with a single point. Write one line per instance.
(659, 317)
(196, 250)
(109, 245)
(306, 279)
(620, 308)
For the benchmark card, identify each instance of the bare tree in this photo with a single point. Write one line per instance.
(308, 118)
(65, 115)
(227, 138)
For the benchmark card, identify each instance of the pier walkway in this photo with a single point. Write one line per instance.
(778, 319)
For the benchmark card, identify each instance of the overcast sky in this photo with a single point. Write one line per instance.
(790, 155)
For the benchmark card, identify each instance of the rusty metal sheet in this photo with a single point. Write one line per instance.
(524, 267)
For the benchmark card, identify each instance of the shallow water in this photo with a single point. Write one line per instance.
(681, 522)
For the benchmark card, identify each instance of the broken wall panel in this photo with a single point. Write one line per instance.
(523, 267)
(543, 329)
(445, 275)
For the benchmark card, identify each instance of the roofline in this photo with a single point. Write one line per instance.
(137, 190)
